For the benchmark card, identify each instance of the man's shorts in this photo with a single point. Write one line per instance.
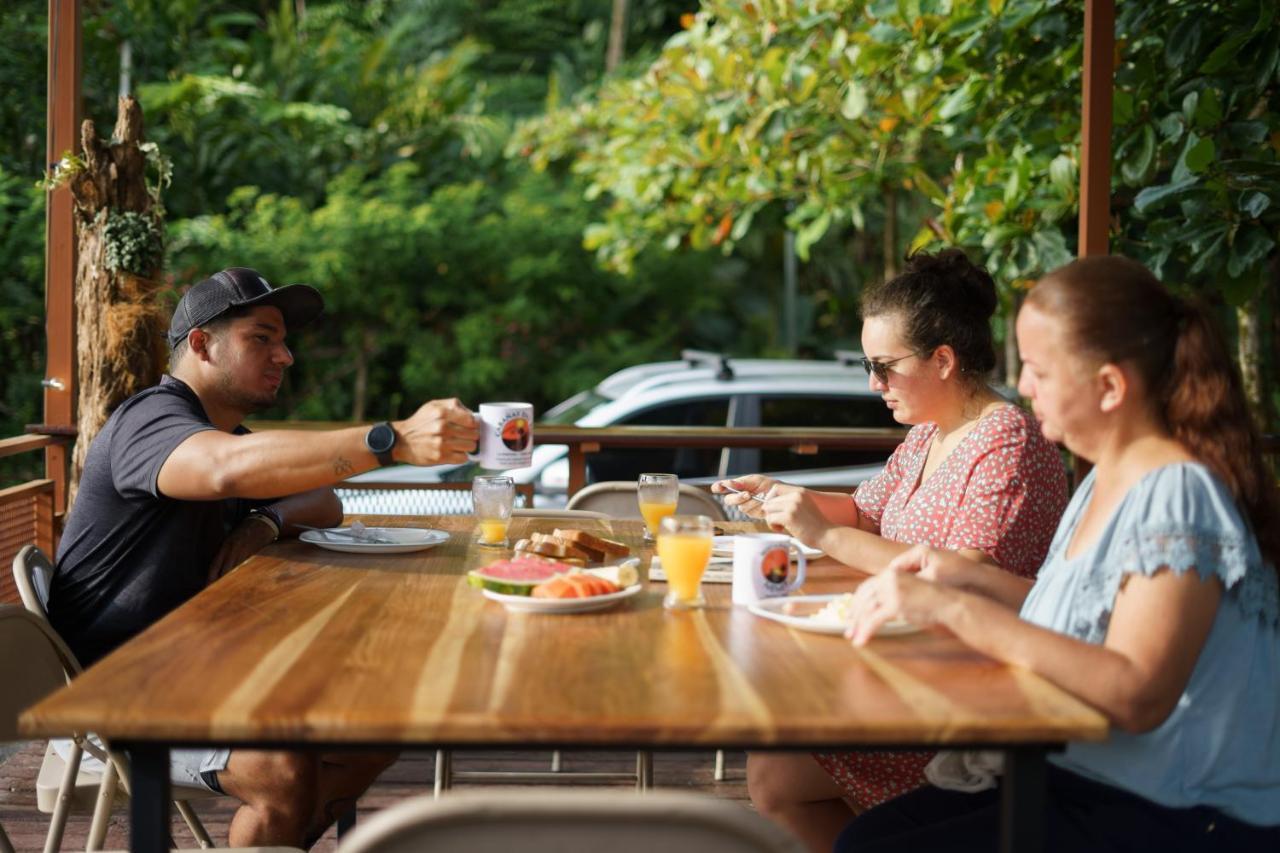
(192, 767)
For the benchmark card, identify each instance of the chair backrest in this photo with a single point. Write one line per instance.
(558, 513)
(378, 497)
(618, 499)
(33, 663)
(497, 821)
(33, 574)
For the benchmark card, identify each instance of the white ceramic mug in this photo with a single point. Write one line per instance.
(506, 436)
(762, 564)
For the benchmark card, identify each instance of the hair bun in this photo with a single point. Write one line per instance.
(978, 287)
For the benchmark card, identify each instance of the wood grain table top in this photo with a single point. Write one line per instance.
(306, 645)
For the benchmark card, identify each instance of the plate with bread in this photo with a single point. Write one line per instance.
(574, 547)
(566, 571)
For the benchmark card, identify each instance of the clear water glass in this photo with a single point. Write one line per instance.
(493, 499)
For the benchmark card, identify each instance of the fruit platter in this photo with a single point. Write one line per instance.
(555, 579)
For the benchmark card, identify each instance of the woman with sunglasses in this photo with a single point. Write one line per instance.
(1158, 605)
(974, 474)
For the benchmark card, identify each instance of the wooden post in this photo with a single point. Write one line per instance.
(1095, 143)
(62, 130)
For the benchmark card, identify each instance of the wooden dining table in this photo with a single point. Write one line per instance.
(303, 647)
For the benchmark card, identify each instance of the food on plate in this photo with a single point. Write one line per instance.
(592, 544)
(574, 585)
(517, 576)
(576, 547)
(837, 611)
(522, 575)
(624, 574)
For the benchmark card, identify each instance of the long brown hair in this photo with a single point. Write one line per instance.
(1116, 310)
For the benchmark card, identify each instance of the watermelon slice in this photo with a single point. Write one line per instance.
(515, 577)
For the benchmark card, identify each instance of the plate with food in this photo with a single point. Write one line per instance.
(722, 546)
(573, 547)
(821, 614)
(358, 539)
(528, 585)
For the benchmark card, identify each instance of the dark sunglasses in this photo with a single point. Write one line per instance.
(880, 369)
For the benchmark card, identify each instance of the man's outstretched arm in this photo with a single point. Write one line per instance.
(213, 465)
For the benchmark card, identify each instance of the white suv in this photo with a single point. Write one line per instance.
(704, 389)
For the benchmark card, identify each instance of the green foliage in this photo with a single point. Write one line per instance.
(132, 242)
(21, 317)
(1199, 142)
(469, 289)
(829, 107)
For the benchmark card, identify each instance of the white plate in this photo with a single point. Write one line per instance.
(803, 605)
(529, 604)
(404, 540)
(722, 546)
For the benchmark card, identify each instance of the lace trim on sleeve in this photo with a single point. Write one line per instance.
(1251, 585)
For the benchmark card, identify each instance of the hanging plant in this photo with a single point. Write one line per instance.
(132, 242)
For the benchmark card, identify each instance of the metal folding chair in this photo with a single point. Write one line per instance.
(550, 822)
(63, 785)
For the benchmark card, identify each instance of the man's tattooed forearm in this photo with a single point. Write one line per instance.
(342, 466)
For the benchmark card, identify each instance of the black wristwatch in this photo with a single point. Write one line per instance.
(380, 439)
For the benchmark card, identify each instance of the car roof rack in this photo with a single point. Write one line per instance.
(848, 356)
(698, 358)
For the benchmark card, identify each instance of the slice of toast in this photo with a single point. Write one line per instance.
(570, 549)
(582, 538)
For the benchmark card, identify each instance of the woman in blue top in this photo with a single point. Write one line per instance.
(1158, 603)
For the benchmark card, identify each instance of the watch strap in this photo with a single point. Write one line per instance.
(269, 517)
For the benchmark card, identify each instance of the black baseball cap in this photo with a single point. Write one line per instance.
(238, 287)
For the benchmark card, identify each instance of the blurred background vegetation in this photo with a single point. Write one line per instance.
(517, 197)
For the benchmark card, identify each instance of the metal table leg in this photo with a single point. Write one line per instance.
(1022, 800)
(148, 798)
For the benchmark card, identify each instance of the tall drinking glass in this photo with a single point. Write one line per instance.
(657, 494)
(684, 547)
(493, 498)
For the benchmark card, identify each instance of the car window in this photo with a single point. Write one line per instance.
(816, 411)
(628, 463)
(573, 408)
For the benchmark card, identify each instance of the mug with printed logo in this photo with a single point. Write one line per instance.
(762, 566)
(506, 436)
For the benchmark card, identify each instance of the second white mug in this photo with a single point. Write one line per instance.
(762, 566)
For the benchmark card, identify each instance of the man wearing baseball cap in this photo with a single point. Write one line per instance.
(175, 492)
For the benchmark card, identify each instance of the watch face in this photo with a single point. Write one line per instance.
(380, 438)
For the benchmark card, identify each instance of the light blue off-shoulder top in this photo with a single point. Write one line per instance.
(1221, 745)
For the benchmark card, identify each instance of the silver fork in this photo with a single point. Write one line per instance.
(357, 533)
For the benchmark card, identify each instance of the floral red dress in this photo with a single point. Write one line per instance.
(1002, 491)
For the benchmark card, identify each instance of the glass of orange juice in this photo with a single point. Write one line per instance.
(658, 494)
(684, 547)
(493, 499)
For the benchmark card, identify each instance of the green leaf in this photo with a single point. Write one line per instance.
(1121, 107)
(957, 102)
(1200, 155)
(812, 233)
(929, 187)
(1209, 110)
(1223, 54)
(1254, 203)
(1189, 104)
(855, 102)
(1172, 126)
(1208, 258)
(1250, 248)
(1183, 43)
(1153, 197)
(1136, 168)
(1246, 134)
(1062, 173)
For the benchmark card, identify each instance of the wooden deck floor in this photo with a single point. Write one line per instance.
(411, 776)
